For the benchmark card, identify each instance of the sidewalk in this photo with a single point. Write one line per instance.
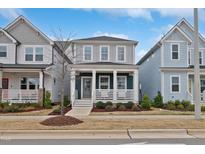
(102, 134)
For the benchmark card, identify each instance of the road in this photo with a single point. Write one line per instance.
(187, 141)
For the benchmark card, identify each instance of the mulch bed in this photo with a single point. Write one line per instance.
(103, 110)
(61, 121)
(65, 110)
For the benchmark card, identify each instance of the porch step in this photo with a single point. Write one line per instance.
(82, 103)
(79, 111)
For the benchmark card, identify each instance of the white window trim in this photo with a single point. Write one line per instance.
(202, 61)
(178, 44)
(100, 80)
(27, 82)
(171, 84)
(121, 61)
(107, 53)
(34, 53)
(6, 45)
(125, 80)
(190, 50)
(91, 52)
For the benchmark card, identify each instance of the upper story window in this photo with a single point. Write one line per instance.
(190, 57)
(175, 84)
(34, 54)
(29, 54)
(39, 54)
(175, 51)
(3, 51)
(121, 53)
(104, 53)
(87, 53)
(200, 57)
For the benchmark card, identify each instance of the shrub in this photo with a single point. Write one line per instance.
(119, 104)
(186, 103)
(171, 106)
(122, 108)
(47, 101)
(135, 108)
(12, 108)
(158, 100)
(177, 102)
(108, 103)
(180, 107)
(191, 107)
(66, 102)
(100, 105)
(109, 108)
(146, 103)
(203, 108)
(129, 104)
(57, 110)
(4, 104)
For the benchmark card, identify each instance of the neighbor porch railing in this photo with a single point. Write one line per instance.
(125, 94)
(18, 95)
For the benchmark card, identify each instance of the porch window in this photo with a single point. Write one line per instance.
(29, 54)
(29, 83)
(87, 53)
(121, 82)
(39, 54)
(24, 83)
(175, 83)
(3, 51)
(104, 53)
(121, 53)
(175, 51)
(104, 82)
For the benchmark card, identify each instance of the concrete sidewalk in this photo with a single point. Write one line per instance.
(102, 134)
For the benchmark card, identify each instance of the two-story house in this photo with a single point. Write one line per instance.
(26, 63)
(104, 69)
(168, 66)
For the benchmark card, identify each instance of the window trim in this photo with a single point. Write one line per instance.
(84, 46)
(190, 51)
(118, 53)
(178, 76)
(6, 45)
(108, 57)
(178, 44)
(125, 81)
(100, 76)
(27, 82)
(34, 52)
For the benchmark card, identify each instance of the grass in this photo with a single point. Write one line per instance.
(107, 124)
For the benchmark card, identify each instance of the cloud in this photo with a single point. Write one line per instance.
(99, 33)
(10, 13)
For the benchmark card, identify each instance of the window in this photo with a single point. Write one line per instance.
(175, 83)
(200, 57)
(190, 54)
(5, 83)
(189, 57)
(202, 85)
(88, 53)
(104, 82)
(29, 54)
(29, 83)
(175, 51)
(121, 82)
(3, 51)
(121, 53)
(104, 53)
(39, 54)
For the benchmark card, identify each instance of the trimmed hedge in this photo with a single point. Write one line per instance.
(129, 104)
(100, 105)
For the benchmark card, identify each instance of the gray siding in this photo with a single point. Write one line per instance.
(112, 52)
(4, 38)
(149, 75)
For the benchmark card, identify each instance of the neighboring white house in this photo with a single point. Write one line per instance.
(168, 66)
(26, 63)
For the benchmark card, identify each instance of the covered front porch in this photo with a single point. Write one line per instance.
(21, 85)
(91, 85)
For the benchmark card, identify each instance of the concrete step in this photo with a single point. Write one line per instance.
(82, 103)
(79, 111)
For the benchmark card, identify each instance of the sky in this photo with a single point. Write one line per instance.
(146, 26)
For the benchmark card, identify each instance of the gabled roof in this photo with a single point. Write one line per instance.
(30, 24)
(9, 36)
(106, 38)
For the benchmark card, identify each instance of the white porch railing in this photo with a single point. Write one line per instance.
(18, 95)
(125, 94)
(104, 94)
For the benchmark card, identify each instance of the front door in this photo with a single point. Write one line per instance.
(87, 87)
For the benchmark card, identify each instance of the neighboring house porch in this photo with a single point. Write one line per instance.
(97, 82)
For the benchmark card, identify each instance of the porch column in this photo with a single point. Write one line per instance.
(93, 85)
(135, 85)
(115, 85)
(72, 89)
(1, 76)
(41, 88)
